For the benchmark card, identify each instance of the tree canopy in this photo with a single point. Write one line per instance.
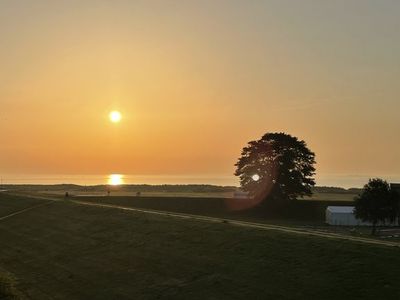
(377, 203)
(278, 166)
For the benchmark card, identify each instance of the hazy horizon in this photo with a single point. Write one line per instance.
(334, 180)
(194, 82)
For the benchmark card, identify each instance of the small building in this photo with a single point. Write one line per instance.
(342, 216)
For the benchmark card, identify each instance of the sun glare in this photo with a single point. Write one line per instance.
(115, 116)
(115, 179)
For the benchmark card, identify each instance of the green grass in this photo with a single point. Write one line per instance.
(143, 194)
(332, 196)
(298, 212)
(201, 191)
(317, 196)
(68, 251)
(305, 214)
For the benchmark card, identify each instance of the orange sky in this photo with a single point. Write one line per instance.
(195, 81)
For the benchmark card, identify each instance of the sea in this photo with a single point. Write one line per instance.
(336, 180)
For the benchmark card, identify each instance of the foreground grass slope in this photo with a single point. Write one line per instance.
(10, 204)
(69, 251)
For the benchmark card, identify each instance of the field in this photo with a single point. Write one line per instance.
(199, 191)
(318, 196)
(303, 214)
(143, 194)
(63, 250)
(301, 211)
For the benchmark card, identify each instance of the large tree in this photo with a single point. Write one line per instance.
(278, 167)
(377, 203)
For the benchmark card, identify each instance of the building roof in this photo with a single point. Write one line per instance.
(341, 209)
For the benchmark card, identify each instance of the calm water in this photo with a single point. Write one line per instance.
(120, 179)
(341, 180)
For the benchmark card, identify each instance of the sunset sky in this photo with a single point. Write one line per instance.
(194, 82)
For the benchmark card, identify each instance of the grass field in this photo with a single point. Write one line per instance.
(143, 194)
(69, 251)
(302, 211)
(304, 214)
(317, 196)
(200, 191)
(332, 196)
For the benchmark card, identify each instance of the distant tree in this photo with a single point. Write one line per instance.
(277, 168)
(377, 203)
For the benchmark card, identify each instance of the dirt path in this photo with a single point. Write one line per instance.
(261, 226)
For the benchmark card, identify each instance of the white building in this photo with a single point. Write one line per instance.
(343, 216)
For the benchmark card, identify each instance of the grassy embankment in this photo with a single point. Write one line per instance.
(301, 211)
(9, 205)
(68, 251)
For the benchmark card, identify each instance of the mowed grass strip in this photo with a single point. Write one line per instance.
(71, 251)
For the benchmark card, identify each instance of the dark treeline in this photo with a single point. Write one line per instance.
(335, 190)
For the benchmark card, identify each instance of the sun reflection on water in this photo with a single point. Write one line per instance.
(116, 179)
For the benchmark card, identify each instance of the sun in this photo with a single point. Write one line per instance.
(115, 179)
(115, 116)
